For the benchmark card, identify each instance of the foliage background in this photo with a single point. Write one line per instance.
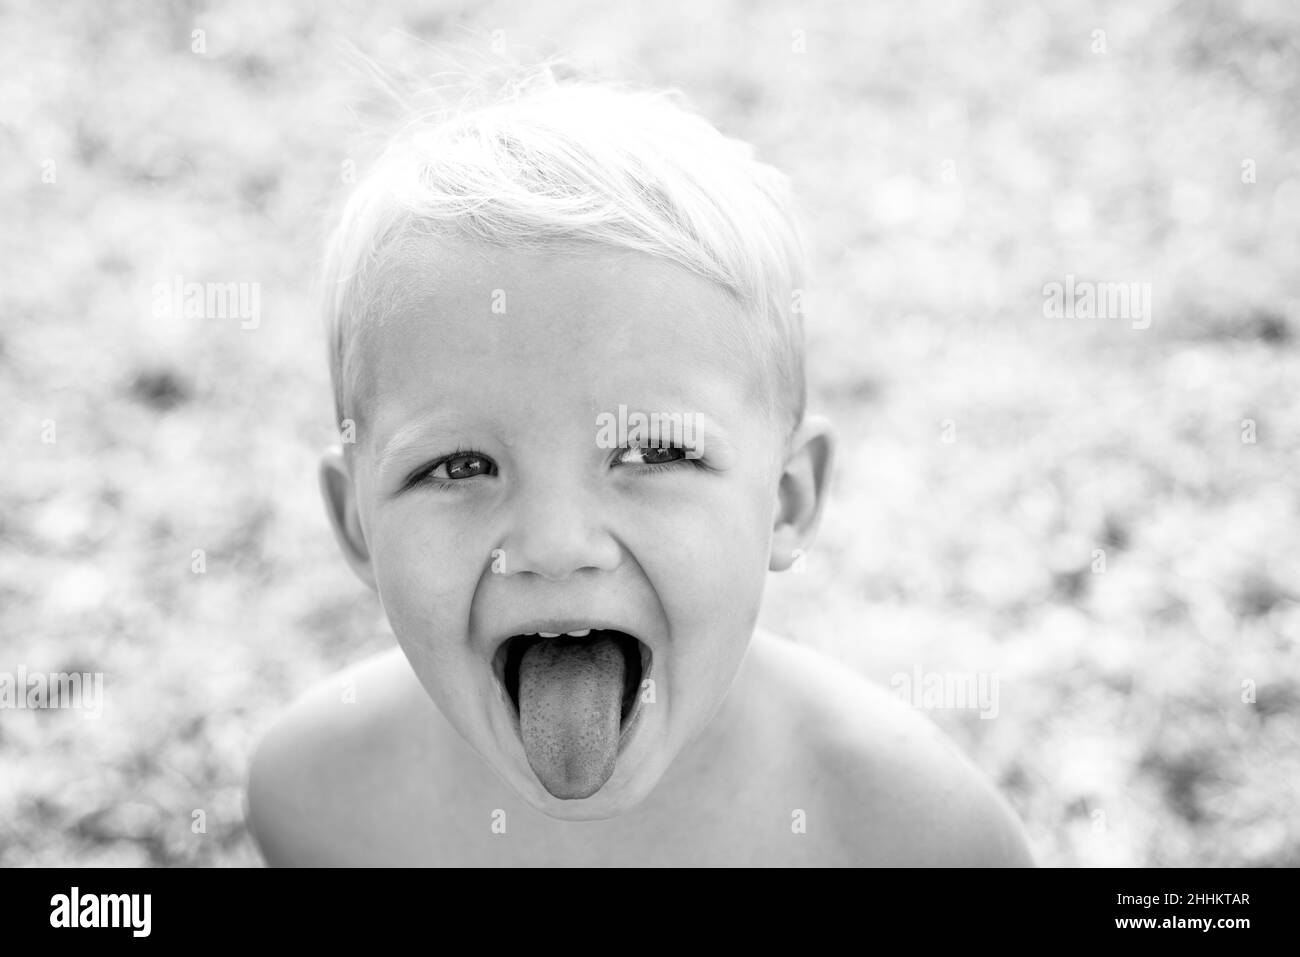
(1122, 737)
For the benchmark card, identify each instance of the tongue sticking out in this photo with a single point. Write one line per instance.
(570, 708)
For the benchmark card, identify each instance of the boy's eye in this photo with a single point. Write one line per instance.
(651, 456)
(462, 465)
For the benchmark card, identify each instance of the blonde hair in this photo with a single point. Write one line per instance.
(577, 162)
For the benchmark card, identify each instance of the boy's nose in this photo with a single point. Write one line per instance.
(555, 530)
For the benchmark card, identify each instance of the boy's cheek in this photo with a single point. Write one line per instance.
(413, 538)
(708, 557)
(733, 521)
(423, 579)
(418, 611)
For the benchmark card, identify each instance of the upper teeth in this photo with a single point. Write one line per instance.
(572, 634)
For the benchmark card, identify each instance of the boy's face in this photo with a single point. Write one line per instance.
(504, 361)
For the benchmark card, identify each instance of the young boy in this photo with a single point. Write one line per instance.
(569, 369)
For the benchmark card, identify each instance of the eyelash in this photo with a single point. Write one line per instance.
(669, 466)
(423, 475)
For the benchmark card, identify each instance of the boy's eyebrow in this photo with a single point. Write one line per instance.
(410, 435)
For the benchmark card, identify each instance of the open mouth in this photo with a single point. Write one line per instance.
(636, 661)
(574, 699)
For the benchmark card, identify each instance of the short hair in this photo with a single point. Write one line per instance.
(551, 163)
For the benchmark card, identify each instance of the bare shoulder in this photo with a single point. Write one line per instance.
(896, 790)
(326, 783)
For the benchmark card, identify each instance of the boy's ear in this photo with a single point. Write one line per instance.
(340, 494)
(802, 491)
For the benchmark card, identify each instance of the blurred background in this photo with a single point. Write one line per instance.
(1104, 517)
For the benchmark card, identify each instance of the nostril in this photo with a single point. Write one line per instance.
(556, 540)
(555, 566)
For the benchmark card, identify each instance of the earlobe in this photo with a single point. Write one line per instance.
(802, 491)
(340, 495)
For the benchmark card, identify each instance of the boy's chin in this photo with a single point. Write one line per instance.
(615, 798)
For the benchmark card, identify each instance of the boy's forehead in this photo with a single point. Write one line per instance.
(563, 284)
(459, 312)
